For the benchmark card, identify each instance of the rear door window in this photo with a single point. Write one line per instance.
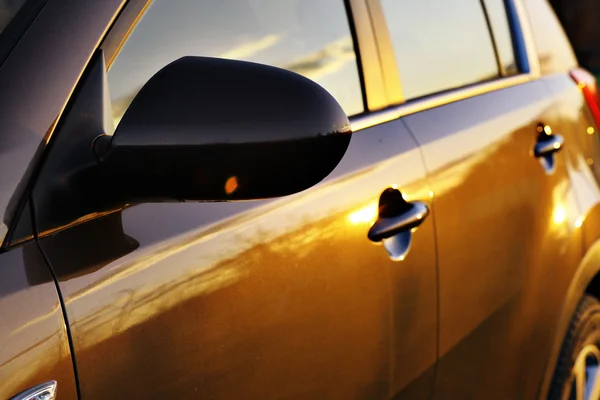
(440, 44)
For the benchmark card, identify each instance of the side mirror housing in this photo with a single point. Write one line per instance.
(201, 129)
(210, 129)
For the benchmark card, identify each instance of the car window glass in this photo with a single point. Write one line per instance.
(498, 17)
(310, 37)
(439, 44)
(8, 9)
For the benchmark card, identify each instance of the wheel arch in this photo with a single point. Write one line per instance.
(586, 280)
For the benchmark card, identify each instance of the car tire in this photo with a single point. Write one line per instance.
(577, 366)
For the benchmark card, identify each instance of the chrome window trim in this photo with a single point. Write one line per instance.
(361, 122)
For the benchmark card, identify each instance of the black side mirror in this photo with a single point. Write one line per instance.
(210, 129)
(202, 129)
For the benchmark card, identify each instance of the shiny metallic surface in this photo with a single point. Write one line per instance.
(35, 345)
(508, 240)
(288, 297)
(384, 228)
(573, 120)
(395, 112)
(44, 391)
(546, 147)
(549, 146)
(266, 299)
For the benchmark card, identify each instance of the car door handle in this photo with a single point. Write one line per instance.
(414, 214)
(548, 145)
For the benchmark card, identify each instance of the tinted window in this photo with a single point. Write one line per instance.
(8, 9)
(498, 17)
(310, 37)
(552, 45)
(440, 44)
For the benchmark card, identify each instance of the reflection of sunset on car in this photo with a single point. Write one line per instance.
(299, 199)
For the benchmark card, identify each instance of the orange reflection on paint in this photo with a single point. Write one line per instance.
(560, 214)
(364, 215)
(231, 185)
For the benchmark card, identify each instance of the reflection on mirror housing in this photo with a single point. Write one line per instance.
(206, 129)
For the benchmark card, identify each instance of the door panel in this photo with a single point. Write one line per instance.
(35, 345)
(576, 125)
(508, 237)
(284, 298)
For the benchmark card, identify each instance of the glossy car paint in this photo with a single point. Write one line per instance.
(582, 161)
(268, 299)
(288, 297)
(498, 298)
(577, 123)
(35, 346)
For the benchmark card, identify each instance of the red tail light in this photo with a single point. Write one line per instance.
(589, 87)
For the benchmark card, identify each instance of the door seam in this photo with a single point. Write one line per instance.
(61, 300)
(437, 263)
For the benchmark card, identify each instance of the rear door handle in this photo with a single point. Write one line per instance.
(412, 217)
(548, 145)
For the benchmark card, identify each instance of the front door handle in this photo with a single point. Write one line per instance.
(414, 214)
(548, 145)
(396, 223)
